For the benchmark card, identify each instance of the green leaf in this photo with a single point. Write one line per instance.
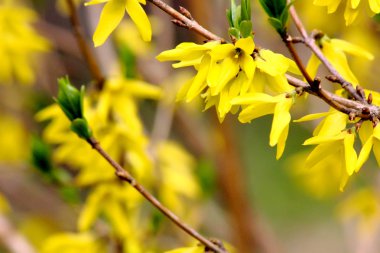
(229, 18)
(81, 128)
(246, 28)
(237, 17)
(246, 10)
(70, 99)
(274, 8)
(41, 156)
(234, 32)
(276, 23)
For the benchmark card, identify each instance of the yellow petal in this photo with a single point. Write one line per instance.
(246, 44)
(364, 153)
(351, 48)
(281, 119)
(313, 116)
(253, 98)
(110, 17)
(199, 82)
(248, 65)
(323, 139)
(281, 142)
(350, 153)
(92, 2)
(374, 5)
(139, 17)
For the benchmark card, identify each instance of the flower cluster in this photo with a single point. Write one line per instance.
(19, 43)
(231, 76)
(352, 7)
(113, 116)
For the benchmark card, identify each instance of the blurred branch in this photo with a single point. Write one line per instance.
(125, 176)
(9, 236)
(83, 46)
(184, 19)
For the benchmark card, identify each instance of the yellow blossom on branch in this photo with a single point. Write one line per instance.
(225, 71)
(113, 13)
(259, 104)
(352, 7)
(335, 51)
(19, 43)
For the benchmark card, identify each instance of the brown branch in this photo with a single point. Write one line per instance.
(344, 105)
(125, 176)
(185, 20)
(83, 46)
(310, 42)
(289, 44)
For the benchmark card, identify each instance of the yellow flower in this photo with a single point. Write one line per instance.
(341, 146)
(19, 43)
(372, 143)
(113, 13)
(113, 117)
(226, 71)
(335, 51)
(362, 208)
(352, 7)
(71, 242)
(335, 145)
(194, 249)
(260, 104)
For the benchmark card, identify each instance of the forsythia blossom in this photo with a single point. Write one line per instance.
(113, 13)
(19, 43)
(260, 104)
(335, 51)
(226, 71)
(352, 7)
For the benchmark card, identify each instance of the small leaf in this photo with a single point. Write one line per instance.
(234, 32)
(70, 99)
(81, 128)
(246, 28)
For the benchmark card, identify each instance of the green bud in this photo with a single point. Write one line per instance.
(81, 128)
(239, 19)
(70, 99)
(278, 12)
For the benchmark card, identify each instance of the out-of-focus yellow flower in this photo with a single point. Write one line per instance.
(14, 139)
(226, 71)
(372, 143)
(194, 249)
(352, 7)
(19, 43)
(4, 206)
(362, 207)
(333, 143)
(260, 104)
(335, 51)
(176, 169)
(71, 242)
(113, 13)
(113, 117)
(322, 180)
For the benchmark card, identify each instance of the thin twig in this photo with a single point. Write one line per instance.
(289, 44)
(310, 42)
(11, 239)
(125, 176)
(83, 46)
(185, 21)
(344, 105)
